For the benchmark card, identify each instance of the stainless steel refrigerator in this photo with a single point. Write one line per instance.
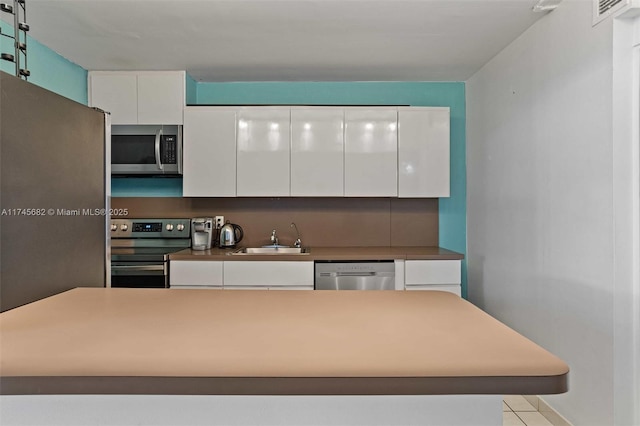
(53, 194)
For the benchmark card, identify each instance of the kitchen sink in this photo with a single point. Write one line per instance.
(270, 251)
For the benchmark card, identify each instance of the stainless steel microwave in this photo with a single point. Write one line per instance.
(146, 150)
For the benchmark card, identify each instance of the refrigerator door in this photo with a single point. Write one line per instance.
(53, 194)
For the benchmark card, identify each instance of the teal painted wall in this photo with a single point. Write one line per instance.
(146, 187)
(453, 210)
(48, 69)
(192, 91)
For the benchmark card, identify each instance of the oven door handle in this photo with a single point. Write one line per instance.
(138, 270)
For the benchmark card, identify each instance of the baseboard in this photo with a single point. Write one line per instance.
(533, 400)
(549, 413)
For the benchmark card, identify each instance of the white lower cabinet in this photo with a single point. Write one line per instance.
(268, 275)
(241, 275)
(195, 274)
(442, 275)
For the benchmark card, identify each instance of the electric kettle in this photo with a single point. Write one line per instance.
(230, 234)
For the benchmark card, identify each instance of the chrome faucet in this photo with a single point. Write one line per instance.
(298, 242)
(274, 238)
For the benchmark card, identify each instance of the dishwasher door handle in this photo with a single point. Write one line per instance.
(348, 274)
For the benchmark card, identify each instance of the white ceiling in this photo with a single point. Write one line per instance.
(283, 40)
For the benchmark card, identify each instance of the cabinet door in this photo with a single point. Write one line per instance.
(423, 152)
(116, 93)
(443, 275)
(268, 274)
(263, 148)
(371, 152)
(195, 274)
(420, 272)
(209, 140)
(161, 97)
(317, 152)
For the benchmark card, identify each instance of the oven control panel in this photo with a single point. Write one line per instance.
(150, 228)
(147, 227)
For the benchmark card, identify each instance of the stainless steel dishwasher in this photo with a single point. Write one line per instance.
(357, 275)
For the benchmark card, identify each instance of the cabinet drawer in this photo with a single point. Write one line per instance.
(268, 274)
(195, 273)
(432, 272)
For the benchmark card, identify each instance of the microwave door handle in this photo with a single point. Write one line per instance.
(158, 138)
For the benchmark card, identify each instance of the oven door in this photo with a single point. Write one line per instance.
(139, 274)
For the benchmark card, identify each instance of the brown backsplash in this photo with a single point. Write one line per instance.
(323, 222)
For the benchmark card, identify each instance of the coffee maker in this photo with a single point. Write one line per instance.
(201, 233)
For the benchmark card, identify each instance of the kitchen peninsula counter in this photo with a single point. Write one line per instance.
(203, 342)
(329, 253)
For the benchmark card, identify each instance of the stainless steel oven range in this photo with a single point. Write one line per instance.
(140, 250)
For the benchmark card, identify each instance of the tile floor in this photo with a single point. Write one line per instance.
(516, 411)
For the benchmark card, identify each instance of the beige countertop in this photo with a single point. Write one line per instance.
(167, 341)
(329, 253)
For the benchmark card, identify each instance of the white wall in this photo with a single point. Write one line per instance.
(626, 202)
(540, 198)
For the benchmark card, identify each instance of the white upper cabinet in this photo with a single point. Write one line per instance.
(371, 152)
(116, 93)
(263, 150)
(317, 152)
(139, 97)
(161, 97)
(423, 152)
(209, 143)
(305, 151)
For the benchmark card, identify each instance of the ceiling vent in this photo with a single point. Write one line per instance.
(602, 9)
